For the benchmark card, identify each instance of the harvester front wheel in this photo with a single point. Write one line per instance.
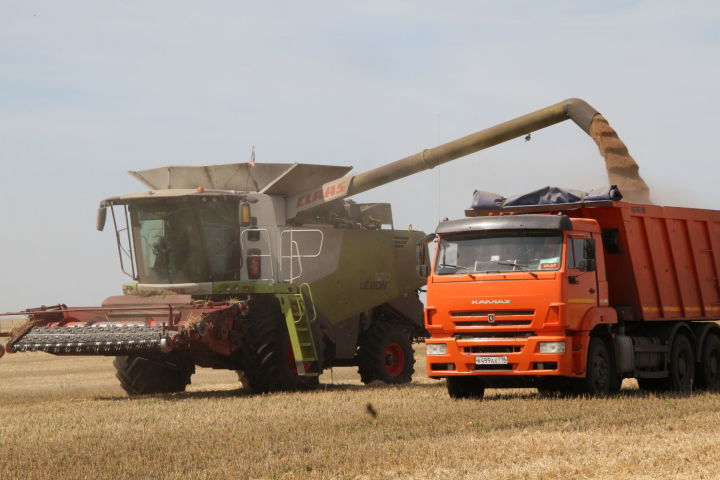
(268, 363)
(386, 354)
(142, 376)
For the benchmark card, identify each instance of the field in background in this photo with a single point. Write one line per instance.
(66, 418)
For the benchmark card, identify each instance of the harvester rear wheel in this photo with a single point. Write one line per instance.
(386, 354)
(265, 357)
(141, 376)
(465, 387)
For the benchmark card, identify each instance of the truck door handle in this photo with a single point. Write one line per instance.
(592, 290)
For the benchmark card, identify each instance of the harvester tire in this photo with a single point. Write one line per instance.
(465, 387)
(266, 349)
(386, 354)
(142, 376)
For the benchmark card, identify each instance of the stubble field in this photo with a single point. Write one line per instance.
(67, 418)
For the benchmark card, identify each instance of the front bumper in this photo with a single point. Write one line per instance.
(523, 357)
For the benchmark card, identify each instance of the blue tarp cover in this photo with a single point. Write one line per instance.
(544, 196)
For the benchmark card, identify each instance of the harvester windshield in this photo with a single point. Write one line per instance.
(499, 251)
(179, 240)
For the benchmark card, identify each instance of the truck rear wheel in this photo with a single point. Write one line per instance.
(709, 371)
(267, 359)
(465, 387)
(386, 354)
(600, 376)
(141, 376)
(682, 364)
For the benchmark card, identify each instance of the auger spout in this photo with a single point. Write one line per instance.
(622, 169)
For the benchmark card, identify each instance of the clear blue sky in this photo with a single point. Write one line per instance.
(91, 89)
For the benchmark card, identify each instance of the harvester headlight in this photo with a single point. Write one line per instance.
(552, 347)
(436, 349)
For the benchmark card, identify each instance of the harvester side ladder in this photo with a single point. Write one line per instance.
(299, 330)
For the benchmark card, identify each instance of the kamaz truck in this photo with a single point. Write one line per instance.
(571, 293)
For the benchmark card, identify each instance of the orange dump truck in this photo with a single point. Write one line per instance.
(572, 293)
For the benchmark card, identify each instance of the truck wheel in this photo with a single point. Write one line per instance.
(386, 354)
(600, 374)
(682, 365)
(709, 371)
(465, 387)
(266, 352)
(141, 376)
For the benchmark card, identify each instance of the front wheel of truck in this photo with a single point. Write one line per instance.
(600, 375)
(465, 387)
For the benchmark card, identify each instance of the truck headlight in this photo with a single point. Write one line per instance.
(552, 347)
(436, 349)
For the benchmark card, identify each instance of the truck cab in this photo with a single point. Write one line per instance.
(512, 297)
(573, 296)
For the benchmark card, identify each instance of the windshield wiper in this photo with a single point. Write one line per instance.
(523, 266)
(460, 268)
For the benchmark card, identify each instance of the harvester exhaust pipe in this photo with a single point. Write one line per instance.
(621, 167)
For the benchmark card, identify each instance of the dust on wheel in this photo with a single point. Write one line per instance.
(708, 373)
(465, 387)
(600, 375)
(141, 376)
(267, 358)
(386, 354)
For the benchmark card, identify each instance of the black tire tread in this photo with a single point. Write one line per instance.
(143, 376)
(264, 351)
(371, 352)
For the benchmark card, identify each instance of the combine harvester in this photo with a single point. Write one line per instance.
(269, 270)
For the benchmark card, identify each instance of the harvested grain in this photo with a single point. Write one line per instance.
(621, 168)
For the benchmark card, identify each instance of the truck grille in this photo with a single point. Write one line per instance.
(481, 318)
(486, 334)
(492, 349)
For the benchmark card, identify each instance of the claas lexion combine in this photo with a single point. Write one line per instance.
(266, 269)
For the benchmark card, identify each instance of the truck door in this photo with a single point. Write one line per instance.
(580, 282)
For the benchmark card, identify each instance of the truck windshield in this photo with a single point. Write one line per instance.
(499, 251)
(182, 240)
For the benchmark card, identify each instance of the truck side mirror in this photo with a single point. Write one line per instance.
(101, 217)
(423, 270)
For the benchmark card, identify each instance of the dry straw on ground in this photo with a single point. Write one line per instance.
(66, 418)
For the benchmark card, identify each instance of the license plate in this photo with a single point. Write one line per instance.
(503, 360)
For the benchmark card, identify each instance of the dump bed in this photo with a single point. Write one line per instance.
(662, 262)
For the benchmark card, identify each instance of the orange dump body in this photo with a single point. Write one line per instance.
(651, 264)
